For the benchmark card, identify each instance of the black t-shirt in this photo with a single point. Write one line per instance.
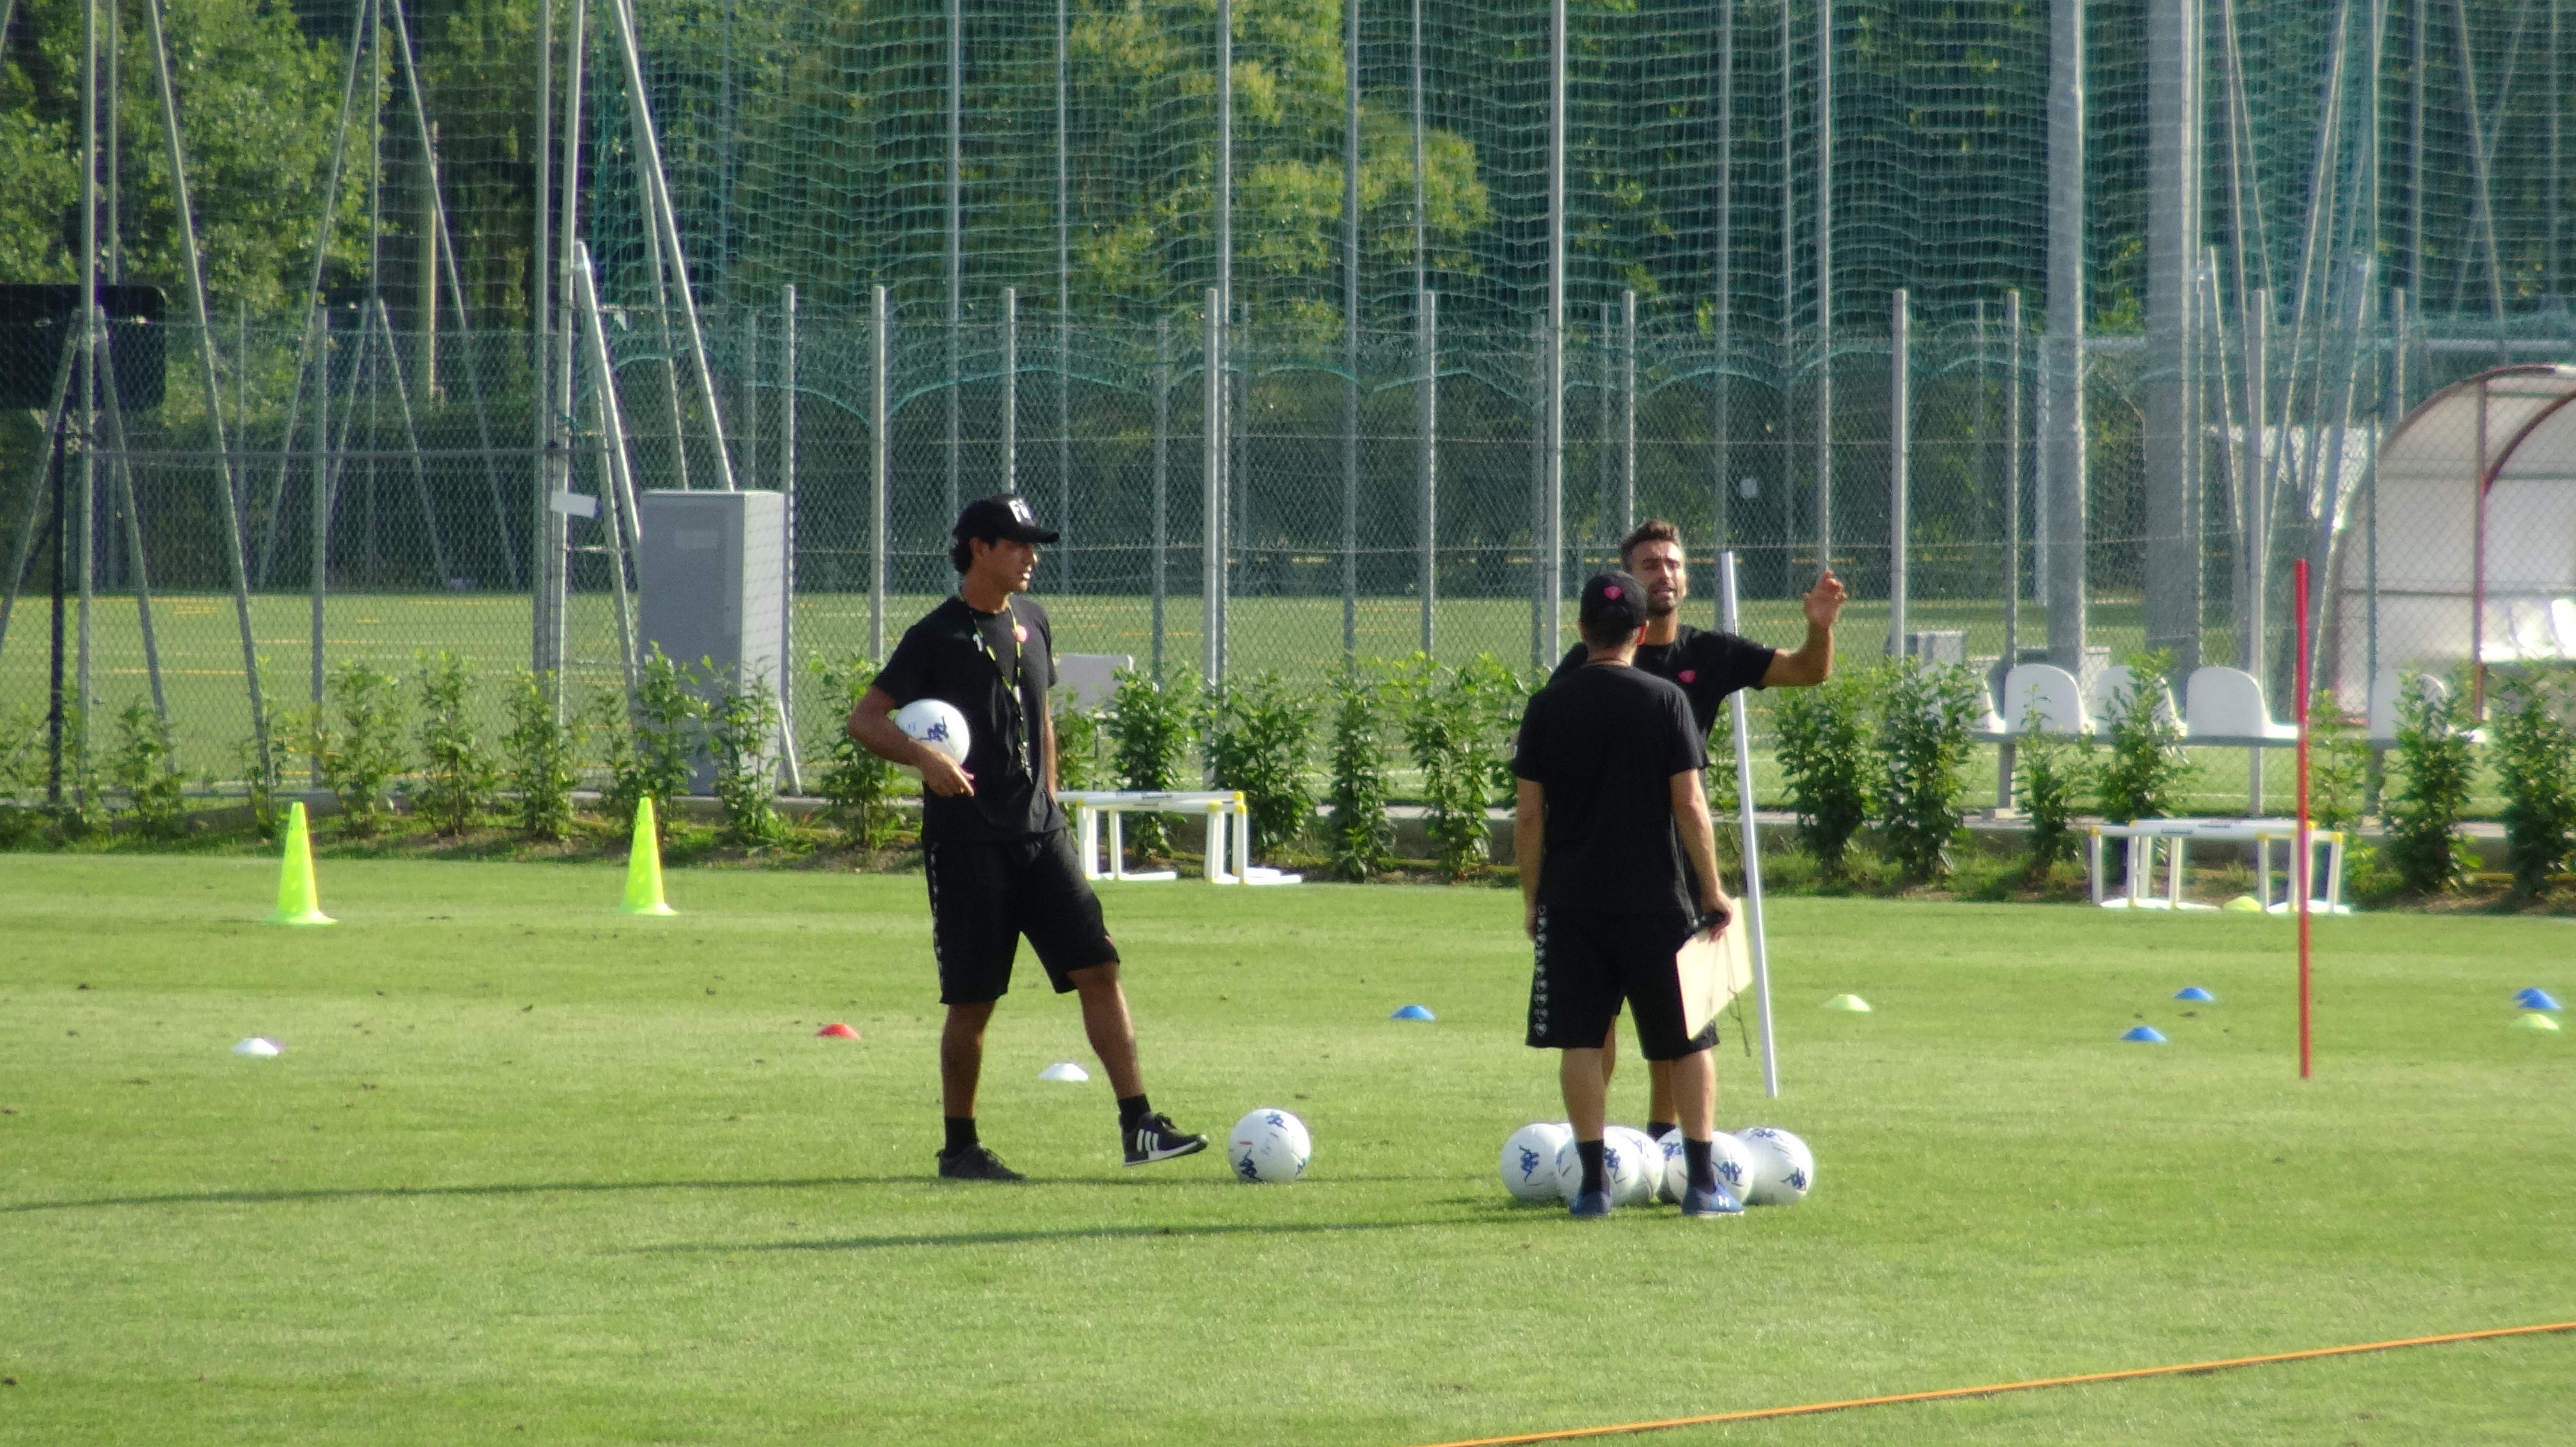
(1605, 742)
(995, 668)
(1708, 666)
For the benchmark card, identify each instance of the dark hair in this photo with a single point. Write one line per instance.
(1614, 608)
(960, 556)
(1652, 530)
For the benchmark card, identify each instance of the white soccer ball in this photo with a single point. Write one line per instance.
(937, 723)
(1727, 1156)
(1623, 1167)
(1784, 1170)
(1269, 1146)
(1639, 1187)
(1529, 1160)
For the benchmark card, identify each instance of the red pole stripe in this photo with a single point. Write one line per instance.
(1809, 1409)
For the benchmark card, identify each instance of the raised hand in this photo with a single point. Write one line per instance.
(1824, 602)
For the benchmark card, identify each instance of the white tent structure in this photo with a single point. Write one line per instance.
(2467, 550)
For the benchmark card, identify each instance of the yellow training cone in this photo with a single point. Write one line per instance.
(644, 866)
(298, 902)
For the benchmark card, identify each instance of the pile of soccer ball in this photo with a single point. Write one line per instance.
(1762, 1165)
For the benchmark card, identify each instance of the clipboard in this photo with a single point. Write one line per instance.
(1712, 972)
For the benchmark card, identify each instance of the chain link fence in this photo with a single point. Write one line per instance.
(386, 490)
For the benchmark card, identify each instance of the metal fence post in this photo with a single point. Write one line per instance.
(880, 463)
(787, 487)
(1211, 504)
(1899, 443)
(1426, 325)
(1162, 477)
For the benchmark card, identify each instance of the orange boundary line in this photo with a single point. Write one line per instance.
(1949, 1393)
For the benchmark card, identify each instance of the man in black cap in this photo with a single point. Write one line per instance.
(1618, 869)
(1709, 666)
(993, 836)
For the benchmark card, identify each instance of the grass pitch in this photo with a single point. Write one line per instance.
(528, 1164)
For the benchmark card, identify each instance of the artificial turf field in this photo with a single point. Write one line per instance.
(529, 1164)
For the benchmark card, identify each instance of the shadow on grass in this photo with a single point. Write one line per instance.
(1074, 1233)
(569, 1188)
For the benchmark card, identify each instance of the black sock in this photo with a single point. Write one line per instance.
(1131, 1109)
(1658, 1129)
(961, 1134)
(1703, 1174)
(1595, 1170)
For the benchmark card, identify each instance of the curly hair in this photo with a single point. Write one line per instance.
(1652, 530)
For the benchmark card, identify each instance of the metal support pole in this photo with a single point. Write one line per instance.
(1824, 285)
(747, 396)
(553, 530)
(1212, 478)
(1350, 329)
(1426, 328)
(1160, 559)
(664, 220)
(2175, 138)
(1751, 847)
(124, 501)
(880, 466)
(1011, 391)
(1722, 285)
(956, 258)
(1627, 412)
(230, 486)
(83, 533)
(320, 526)
(617, 489)
(1548, 618)
(787, 561)
(1899, 445)
(2012, 481)
(2061, 422)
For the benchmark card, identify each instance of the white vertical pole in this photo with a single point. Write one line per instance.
(1824, 284)
(787, 487)
(1350, 328)
(1162, 492)
(1551, 519)
(1900, 442)
(880, 464)
(1426, 322)
(1627, 412)
(2061, 426)
(1212, 482)
(1752, 845)
(956, 226)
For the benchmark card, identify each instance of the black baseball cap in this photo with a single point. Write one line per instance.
(1614, 606)
(1003, 515)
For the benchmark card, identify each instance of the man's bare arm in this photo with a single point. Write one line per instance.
(1813, 661)
(872, 724)
(1046, 744)
(1699, 840)
(1529, 846)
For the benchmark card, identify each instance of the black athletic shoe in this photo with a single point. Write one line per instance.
(1154, 1138)
(975, 1163)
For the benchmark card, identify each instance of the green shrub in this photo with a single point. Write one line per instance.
(1149, 729)
(1502, 695)
(23, 766)
(2424, 818)
(357, 743)
(457, 773)
(1258, 735)
(1448, 720)
(1825, 755)
(544, 758)
(857, 787)
(646, 747)
(1924, 714)
(2144, 769)
(2054, 772)
(2535, 756)
(1360, 839)
(141, 768)
(2338, 765)
(1078, 763)
(742, 734)
(259, 772)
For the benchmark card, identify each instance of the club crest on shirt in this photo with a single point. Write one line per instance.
(1688, 675)
(1020, 631)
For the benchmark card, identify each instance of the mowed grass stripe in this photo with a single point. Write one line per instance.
(586, 1195)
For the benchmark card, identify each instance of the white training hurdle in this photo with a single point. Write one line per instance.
(2177, 835)
(1229, 834)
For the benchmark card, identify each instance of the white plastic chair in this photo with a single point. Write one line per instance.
(2225, 706)
(2108, 698)
(2052, 693)
(2562, 622)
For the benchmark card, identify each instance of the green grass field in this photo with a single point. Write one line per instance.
(529, 1164)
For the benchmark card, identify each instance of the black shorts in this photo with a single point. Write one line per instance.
(984, 896)
(1590, 960)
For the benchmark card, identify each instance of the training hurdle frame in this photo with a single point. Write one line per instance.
(2176, 835)
(1229, 834)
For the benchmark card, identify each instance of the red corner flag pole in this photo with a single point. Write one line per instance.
(2306, 860)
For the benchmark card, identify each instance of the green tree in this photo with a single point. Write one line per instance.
(1258, 733)
(457, 772)
(1359, 838)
